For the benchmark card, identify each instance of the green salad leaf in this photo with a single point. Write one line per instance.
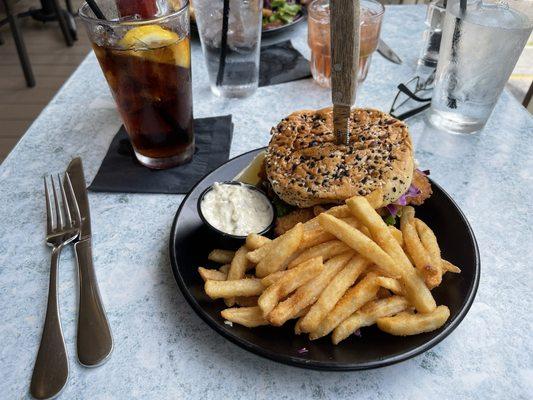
(283, 12)
(390, 220)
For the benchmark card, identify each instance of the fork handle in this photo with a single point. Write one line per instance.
(94, 340)
(50, 372)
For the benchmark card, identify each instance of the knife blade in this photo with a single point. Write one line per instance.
(388, 53)
(94, 340)
(75, 172)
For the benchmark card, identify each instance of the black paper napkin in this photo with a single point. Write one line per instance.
(121, 172)
(280, 63)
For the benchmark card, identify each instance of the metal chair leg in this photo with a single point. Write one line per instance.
(62, 23)
(19, 42)
(1, 39)
(69, 7)
(529, 95)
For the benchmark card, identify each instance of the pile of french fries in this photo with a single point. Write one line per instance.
(343, 270)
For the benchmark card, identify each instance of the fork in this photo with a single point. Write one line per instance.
(50, 372)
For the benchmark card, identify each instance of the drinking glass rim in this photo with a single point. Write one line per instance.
(379, 14)
(87, 18)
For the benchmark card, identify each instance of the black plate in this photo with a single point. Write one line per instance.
(266, 33)
(190, 242)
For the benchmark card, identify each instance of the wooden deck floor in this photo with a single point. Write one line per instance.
(53, 62)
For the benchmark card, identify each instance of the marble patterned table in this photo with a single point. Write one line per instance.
(162, 349)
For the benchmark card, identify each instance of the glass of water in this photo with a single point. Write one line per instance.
(230, 32)
(479, 49)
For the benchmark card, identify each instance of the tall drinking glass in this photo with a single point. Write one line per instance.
(144, 51)
(319, 38)
(230, 33)
(479, 49)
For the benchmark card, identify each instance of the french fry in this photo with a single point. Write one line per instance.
(449, 267)
(273, 278)
(247, 301)
(341, 211)
(255, 241)
(375, 199)
(416, 249)
(246, 316)
(280, 252)
(368, 315)
(391, 284)
(258, 254)
(307, 294)
(313, 273)
(224, 269)
(314, 237)
(356, 240)
(211, 274)
(332, 293)
(429, 241)
(221, 256)
(237, 269)
(352, 300)
(325, 250)
(418, 293)
(415, 289)
(239, 264)
(383, 293)
(381, 272)
(397, 234)
(406, 324)
(240, 287)
(288, 283)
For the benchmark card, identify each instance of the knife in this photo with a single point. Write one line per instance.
(94, 340)
(345, 31)
(388, 53)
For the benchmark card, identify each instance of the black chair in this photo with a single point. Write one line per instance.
(12, 20)
(527, 100)
(49, 11)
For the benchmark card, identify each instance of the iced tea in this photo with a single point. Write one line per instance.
(147, 67)
(319, 38)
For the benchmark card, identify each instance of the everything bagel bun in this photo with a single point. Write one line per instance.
(306, 167)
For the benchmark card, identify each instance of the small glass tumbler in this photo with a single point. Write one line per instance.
(319, 38)
(145, 58)
(479, 49)
(230, 33)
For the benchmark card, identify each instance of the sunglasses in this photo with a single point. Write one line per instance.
(412, 97)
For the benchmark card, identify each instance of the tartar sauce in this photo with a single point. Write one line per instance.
(236, 209)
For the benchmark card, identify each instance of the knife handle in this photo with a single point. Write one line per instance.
(94, 340)
(344, 27)
(50, 372)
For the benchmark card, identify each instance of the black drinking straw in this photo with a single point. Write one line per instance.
(223, 44)
(96, 10)
(452, 102)
(462, 6)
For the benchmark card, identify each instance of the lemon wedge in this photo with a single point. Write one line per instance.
(182, 54)
(250, 174)
(148, 36)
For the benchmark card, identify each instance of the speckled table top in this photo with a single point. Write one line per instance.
(162, 349)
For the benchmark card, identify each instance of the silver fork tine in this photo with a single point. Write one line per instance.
(66, 209)
(49, 215)
(76, 212)
(59, 216)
